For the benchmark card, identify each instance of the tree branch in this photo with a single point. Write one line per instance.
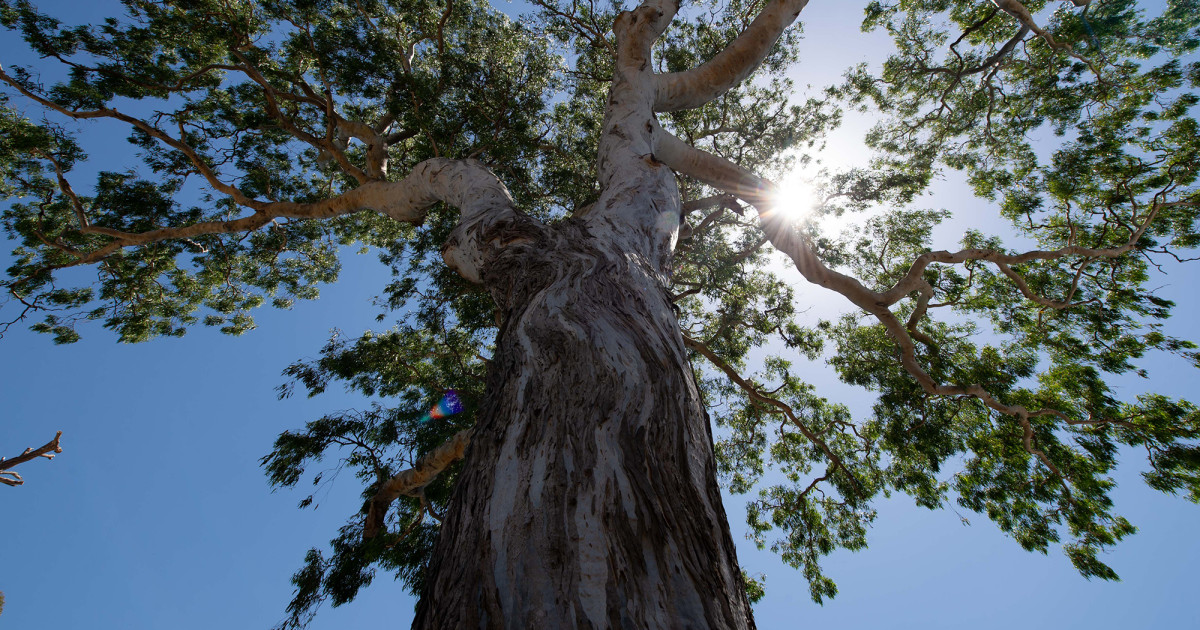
(47, 450)
(411, 481)
(781, 407)
(735, 180)
(912, 280)
(727, 176)
(695, 87)
(1022, 15)
(466, 184)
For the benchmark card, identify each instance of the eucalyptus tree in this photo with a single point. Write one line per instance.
(579, 212)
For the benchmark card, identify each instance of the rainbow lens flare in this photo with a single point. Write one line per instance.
(447, 406)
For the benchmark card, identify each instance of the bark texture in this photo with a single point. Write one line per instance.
(588, 498)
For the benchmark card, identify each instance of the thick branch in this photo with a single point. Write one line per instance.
(695, 87)
(466, 184)
(735, 180)
(411, 481)
(47, 450)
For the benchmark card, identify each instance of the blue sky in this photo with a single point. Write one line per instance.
(157, 515)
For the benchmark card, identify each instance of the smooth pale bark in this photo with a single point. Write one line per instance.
(695, 87)
(588, 496)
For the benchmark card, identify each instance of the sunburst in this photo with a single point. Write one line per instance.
(797, 197)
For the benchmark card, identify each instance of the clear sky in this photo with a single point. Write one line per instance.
(156, 515)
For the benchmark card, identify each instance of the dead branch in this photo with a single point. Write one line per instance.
(47, 450)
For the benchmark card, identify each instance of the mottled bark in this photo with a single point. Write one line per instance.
(588, 497)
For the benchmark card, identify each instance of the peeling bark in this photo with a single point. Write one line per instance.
(588, 498)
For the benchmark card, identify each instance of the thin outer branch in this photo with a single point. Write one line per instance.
(47, 450)
(912, 279)
(411, 481)
(782, 407)
(195, 158)
(67, 190)
(270, 94)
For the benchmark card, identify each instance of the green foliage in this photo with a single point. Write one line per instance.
(240, 89)
(374, 445)
(754, 587)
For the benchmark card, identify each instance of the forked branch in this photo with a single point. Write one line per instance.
(1018, 11)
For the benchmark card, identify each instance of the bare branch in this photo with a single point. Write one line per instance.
(410, 482)
(47, 450)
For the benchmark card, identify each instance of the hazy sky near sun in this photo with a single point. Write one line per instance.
(156, 515)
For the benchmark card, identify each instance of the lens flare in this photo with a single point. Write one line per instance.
(447, 406)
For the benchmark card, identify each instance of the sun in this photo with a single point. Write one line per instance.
(796, 197)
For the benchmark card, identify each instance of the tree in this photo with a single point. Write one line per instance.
(593, 181)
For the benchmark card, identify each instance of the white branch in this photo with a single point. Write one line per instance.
(733, 179)
(695, 87)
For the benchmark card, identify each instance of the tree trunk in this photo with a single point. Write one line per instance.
(588, 498)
